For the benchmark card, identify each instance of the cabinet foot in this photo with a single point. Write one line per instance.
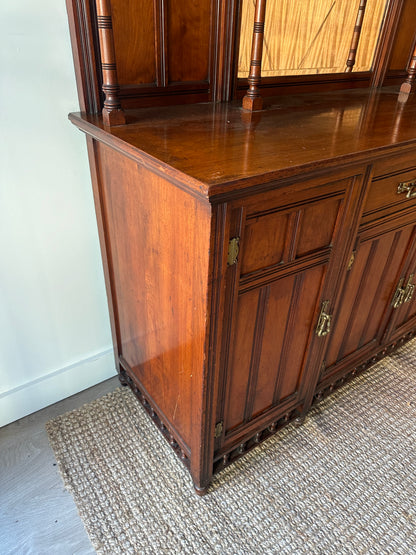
(122, 377)
(299, 421)
(201, 491)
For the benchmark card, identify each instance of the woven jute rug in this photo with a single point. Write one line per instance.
(343, 483)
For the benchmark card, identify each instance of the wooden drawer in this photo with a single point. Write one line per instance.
(393, 186)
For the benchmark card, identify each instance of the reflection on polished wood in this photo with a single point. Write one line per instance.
(212, 146)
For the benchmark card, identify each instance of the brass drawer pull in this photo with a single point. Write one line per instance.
(408, 187)
(324, 321)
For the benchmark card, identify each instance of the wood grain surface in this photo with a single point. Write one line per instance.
(216, 149)
(310, 37)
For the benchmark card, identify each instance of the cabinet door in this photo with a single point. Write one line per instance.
(403, 318)
(367, 300)
(292, 244)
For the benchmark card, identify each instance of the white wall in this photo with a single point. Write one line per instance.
(54, 329)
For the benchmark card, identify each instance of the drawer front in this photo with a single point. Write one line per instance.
(393, 187)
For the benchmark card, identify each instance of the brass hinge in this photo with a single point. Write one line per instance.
(233, 250)
(352, 260)
(324, 321)
(218, 429)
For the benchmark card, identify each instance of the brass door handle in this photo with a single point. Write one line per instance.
(410, 289)
(403, 294)
(324, 321)
(408, 187)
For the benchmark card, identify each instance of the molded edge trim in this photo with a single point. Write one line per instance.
(178, 178)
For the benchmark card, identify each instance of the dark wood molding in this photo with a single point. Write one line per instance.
(256, 352)
(162, 75)
(86, 53)
(106, 255)
(226, 50)
(385, 42)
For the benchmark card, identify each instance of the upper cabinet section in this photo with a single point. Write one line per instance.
(162, 42)
(160, 52)
(157, 51)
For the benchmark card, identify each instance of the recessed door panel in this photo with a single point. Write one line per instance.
(274, 325)
(368, 293)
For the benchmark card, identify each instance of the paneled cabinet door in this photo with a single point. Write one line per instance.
(279, 289)
(378, 283)
(403, 318)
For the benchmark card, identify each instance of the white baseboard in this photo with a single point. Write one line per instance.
(55, 386)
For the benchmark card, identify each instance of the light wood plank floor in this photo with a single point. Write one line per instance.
(37, 515)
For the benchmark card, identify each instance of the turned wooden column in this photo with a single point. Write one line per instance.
(409, 83)
(356, 36)
(112, 111)
(253, 100)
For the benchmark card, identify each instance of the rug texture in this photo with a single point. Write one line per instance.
(343, 483)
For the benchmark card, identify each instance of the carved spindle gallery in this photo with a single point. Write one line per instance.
(112, 111)
(299, 421)
(356, 36)
(409, 83)
(253, 100)
(273, 427)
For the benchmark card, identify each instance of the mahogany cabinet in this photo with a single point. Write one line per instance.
(254, 261)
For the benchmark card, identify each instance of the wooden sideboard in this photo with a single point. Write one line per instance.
(254, 261)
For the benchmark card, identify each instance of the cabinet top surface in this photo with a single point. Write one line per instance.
(223, 148)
